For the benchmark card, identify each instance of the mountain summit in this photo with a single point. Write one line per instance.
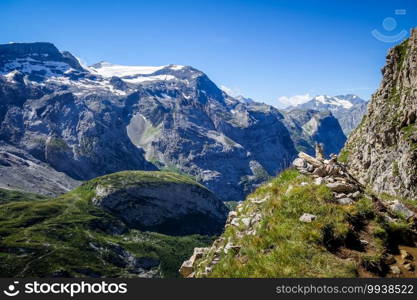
(84, 122)
(348, 109)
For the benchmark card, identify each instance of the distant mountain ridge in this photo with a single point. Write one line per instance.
(348, 109)
(85, 122)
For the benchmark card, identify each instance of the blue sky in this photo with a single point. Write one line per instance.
(262, 49)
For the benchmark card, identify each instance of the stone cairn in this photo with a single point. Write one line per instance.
(330, 172)
(345, 188)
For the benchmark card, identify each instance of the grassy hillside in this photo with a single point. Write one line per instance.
(343, 241)
(7, 196)
(68, 236)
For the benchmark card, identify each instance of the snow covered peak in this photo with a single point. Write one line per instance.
(107, 69)
(333, 101)
(325, 102)
(244, 99)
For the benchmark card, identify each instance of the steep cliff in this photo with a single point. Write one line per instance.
(382, 151)
(61, 123)
(309, 127)
(314, 220)
(98, 229)
(347, 109)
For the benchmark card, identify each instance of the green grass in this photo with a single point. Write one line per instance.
(395, 169)
(344, 155)
(57, 144)
(285, 247)
(143, 178)
(402, 50)
(7, 196)
(68, 236)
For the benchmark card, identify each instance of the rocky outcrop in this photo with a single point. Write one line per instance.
(347, 109)
(345, 191)
(95, 232)
(382, 152)
(162, 202)
(21, 171)
(88, 122)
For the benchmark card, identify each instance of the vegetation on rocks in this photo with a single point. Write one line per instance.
(300, 224)
(7, 196)
(68, 236)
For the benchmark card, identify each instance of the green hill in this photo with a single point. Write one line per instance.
(69, 236)
(265, 237)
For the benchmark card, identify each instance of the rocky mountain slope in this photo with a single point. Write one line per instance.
(309, 127)
(97, 230)
(353, 215)
(61, 123)
(382, 151)
(312, 221)
(347, 109)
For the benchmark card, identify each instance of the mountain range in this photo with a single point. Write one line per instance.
(132, 167)
(347, 109)
(353, 215)
(62, 123)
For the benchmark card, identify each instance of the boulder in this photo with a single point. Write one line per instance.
(340, 187)
(398, 207)
(259, 201)
(409, 267)
(307, 218)
(230, 247)
(246, 221)
(332, 169)
(235, 222)
(318, 181)
(319, 152)
(299, 163)
(321, 171)
(405, 255)
(345, 201)
(186, 268)
(309, 168)
(395, 270)
(163, 202)
(232, 215)
(311, 160)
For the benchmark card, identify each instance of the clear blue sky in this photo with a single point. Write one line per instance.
(264, 49)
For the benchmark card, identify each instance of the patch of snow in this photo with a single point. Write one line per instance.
(222, 139)
(333, 101)
(106, 69)
(29, 65)
(141, 79)
(9, 76)
(176, 67)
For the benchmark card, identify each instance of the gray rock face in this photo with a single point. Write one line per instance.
(381, 152)
(86, 123)
(347, 109)
(174, 206)
(21, 171)
(310, 127)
